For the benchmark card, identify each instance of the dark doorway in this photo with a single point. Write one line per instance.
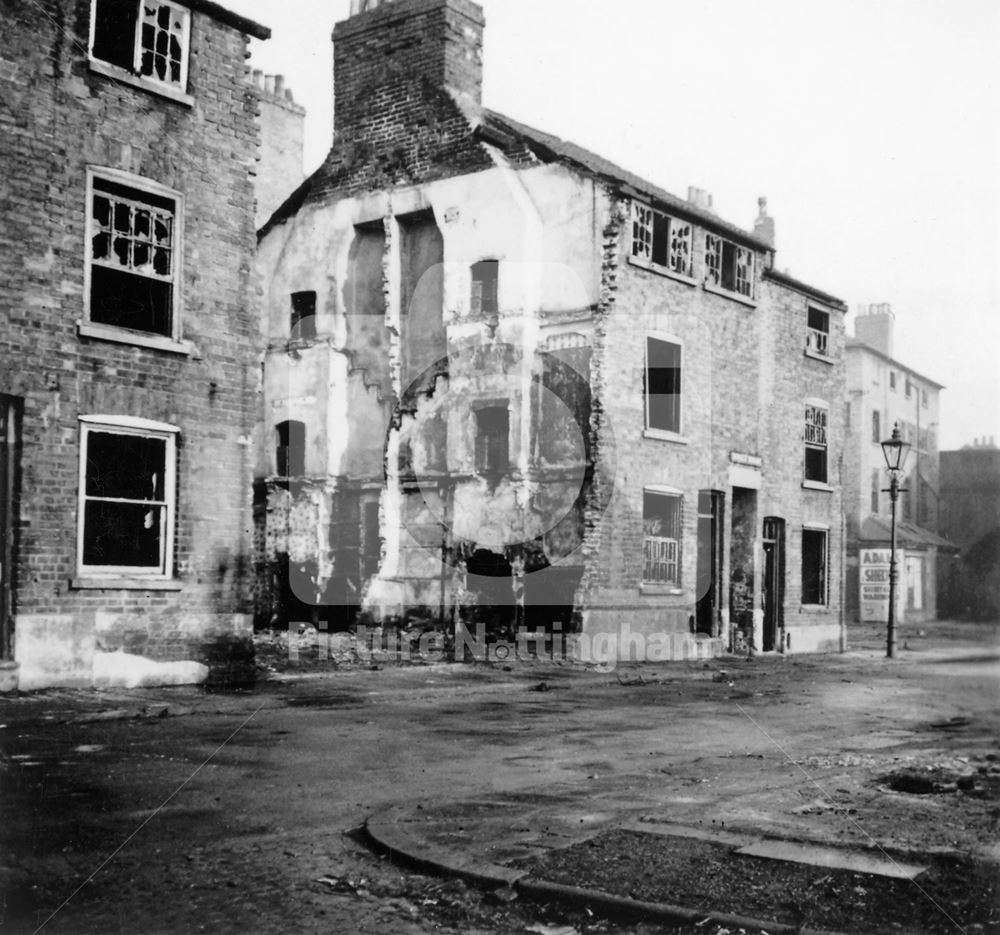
(742, 586)
(10, 457)
(774, 582)
(491, 578)
(711, 507)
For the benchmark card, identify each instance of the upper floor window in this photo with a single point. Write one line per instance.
(303, 322)
(663, 385)
(127, 497)
(728, 266)
(661, 542)
(876, 489)
(661, 241)
(485, 288)
(923, 398)
(909, 388)
(146, 38)
(818, 338)
(816, 443)
(492, 440)
(892, 379)
(876, 426)
(290, 455)
(133, 252)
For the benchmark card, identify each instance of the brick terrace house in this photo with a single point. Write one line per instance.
(128, 339)
(508, 382)
(882, 392)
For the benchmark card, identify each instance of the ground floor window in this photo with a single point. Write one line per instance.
(127, 496)
(814, 566)
(661, 544)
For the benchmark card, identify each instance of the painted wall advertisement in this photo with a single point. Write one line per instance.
(875, 584)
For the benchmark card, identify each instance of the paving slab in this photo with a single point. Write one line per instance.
(833, 858)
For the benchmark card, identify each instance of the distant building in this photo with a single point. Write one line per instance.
(882, 392)
(969, 582)
(128, 349)
(280, 169)
(508, 382)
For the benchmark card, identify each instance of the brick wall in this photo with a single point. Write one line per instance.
(57, 117)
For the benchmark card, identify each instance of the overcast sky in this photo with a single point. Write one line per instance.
(872, 126)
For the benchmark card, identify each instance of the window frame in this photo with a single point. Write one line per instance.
(807, 481)
(86, 326)
(141, 428)
(674, 586)
(715, 269)
(477, 304)
(824, 531)
(650, 431)
(481, 439)
(177, 91)
(818, 339)
(643, 257)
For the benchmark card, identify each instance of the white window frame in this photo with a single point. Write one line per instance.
(714, 253)
(142, 428)
(87, 328)
(176, 90)
(648, 430)
(824, 484)
(641, 243)
(825, 530)
(817, 340)
(674, 586)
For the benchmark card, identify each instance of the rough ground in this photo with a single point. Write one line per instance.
(176, 811)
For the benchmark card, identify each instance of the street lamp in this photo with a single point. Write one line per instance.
(895, 450)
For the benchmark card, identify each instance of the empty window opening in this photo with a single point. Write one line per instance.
(661, 240)
(816, 444)
(661, 543)
(127, 500)
(729, 266)
(663, 385)
(492, 440)
(303, 323)
(814, 566)
(148, 38)
(133, 258)
(291, 449)
(818, 339)
(485, 283)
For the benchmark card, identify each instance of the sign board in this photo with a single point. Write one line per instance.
(874, 583)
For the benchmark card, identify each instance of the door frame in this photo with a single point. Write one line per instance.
(11, 409)
(708, 607)
(773, 540)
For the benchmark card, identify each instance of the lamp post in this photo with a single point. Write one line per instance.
(894, 449)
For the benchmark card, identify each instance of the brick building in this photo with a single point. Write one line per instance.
(882, 392)
(969, 579)
(128, 342)
(509, 383)
(282, 129)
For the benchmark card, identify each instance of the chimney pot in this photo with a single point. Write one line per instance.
(279, 84)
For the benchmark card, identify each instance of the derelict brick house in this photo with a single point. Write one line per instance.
(508, 382)
(128, 338)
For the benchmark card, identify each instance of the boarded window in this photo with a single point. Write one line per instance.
(127, 493)
(663, 385)
(492, 440)
(485, 282)
(291, 449)
(303, 323)
(661, 544)
(132, 258)
(814, 566)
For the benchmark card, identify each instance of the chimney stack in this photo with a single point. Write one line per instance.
(388, 53)
(763, 227)
(700, 198)
(874, 327)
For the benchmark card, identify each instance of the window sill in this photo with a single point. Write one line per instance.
(815, 608)
(817, 485)
(662, 271)
(665, 436)
(124, 584)
(661, 590)
(729, 294)
(123, 76)
(817, 356)
(136, 338)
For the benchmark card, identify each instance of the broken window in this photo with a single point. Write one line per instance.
(818, 338)
(303, 324)
(132, 258)
(816, 443)
(148, 38)
(661, 240)
(814, 566)
(663, 385)
(492, 440)
(661, 542)
(729, 266)
(126, 497)
(485, 282)
(290, 460)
